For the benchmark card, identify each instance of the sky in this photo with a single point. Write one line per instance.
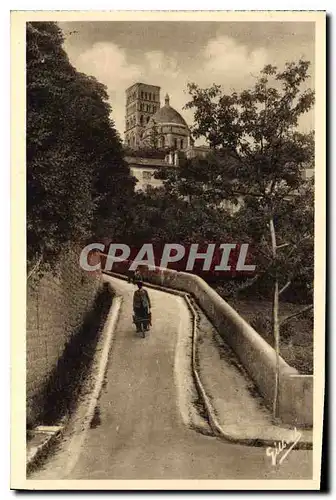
(171, 54)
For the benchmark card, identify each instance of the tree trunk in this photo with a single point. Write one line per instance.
(276, 346)
(275, 323)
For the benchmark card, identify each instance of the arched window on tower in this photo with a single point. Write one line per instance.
(162, 142)
(148, 117)
(149, 96)
(141, 120)
(181, 143)
(175, 143)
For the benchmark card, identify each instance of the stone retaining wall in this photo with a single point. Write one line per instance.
(56, 306)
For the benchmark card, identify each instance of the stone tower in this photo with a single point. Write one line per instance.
(142, 101)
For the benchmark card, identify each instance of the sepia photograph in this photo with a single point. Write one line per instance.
(168, 170)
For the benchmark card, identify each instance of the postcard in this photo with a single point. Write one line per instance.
(168, 234)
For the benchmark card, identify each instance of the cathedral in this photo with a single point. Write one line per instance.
(150, 126)
(160, 130)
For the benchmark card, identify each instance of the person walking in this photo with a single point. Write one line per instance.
(141, 305)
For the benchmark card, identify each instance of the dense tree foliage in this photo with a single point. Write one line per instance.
(76, 176)
(155, 137)
(160, 217)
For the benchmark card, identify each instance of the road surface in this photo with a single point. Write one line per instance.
(141, 433)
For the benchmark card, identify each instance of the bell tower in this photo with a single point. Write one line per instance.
(142, 101)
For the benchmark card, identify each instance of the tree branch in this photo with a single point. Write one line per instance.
(273, 237)
(297, 314)
(295, 246)
(35, 267)
(256, 195)
(283, 245)
(285, 287)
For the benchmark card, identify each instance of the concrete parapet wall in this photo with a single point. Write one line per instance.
(296, 399)
(256, 355)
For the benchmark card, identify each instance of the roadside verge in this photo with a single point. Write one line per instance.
(234, 407)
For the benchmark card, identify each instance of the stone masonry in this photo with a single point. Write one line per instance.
(56, 307)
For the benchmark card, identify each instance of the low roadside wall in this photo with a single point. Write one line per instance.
(296, 397)
(256, 355)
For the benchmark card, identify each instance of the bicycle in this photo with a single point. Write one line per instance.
(142, 325)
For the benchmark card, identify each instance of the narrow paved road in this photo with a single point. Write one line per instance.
(141, 434)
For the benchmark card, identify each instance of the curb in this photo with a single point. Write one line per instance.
(108, 335)
(213, 422)
(51, 435)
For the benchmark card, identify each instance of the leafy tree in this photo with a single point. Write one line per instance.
(258, 162)
(76, 175)
(201, 178)
(153, 141)
(155, 137)
(159, 217)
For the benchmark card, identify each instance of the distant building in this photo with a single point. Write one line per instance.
(167, 129)
(197, 151)
(142, 102)
(147, 122)
(143, 169)
(309, 173)
(156, 128)
(150, 126)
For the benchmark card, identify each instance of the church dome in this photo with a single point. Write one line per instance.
(166, 129)
(166, 115)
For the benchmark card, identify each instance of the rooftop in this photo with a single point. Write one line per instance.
(167, 114)
(146, 162)
(142, 83)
